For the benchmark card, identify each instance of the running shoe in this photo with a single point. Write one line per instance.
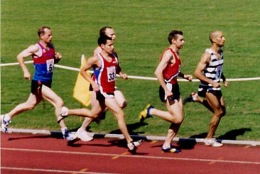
(4, 123)
(83, 135)
(192, 98)
(145, 113)
(171, 150)
(67, 135)
(212, 142)
(132, 145)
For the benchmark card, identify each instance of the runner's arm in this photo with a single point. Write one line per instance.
(23, 55)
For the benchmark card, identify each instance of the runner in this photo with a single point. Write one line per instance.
(44, 57)
(167, 72)
(105, 66)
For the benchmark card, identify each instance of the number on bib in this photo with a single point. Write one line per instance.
(218, 72)
(111, 73)
(50, 65)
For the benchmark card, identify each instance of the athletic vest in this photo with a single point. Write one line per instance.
(171, 72)
(214, 69)
(105, 76)
(44, 65)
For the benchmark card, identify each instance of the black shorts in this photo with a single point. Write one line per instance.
(36, 86)
(175, 89)
(101, 97)
(203, 89)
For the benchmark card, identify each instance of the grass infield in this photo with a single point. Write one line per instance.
(141, 28)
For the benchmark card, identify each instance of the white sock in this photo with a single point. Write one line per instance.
(63, 129)
(7, 117)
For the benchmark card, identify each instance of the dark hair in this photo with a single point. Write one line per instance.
(173, 35)
(102, 31)
(41, 30)
(103, 39)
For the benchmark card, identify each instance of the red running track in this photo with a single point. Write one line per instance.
(31, 154)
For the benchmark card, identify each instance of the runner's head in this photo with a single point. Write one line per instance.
(108, 31)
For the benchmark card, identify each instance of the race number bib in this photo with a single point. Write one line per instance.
(111, 73)
(50, 65)
(218, 72)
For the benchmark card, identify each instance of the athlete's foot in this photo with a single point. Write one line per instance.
(132, 146)
(212, 142)
(67, 135)
(5, 120)
(194, 97)
(83, 135)
(145, 113)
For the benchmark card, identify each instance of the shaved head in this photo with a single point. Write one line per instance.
(214, 34)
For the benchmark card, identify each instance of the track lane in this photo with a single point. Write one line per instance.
(46, 154)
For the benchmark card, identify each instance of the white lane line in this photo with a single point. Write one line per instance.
(130, 76)
(133, 156)
(50, 170)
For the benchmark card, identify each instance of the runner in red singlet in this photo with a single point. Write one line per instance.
(167, 72)
(105, 67)
(82, 133)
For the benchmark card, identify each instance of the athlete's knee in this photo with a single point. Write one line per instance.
(95, 112)
(60, 103)
(30, 105)
(95, 115)
(176, 119)
(223, 113)
(220, 113)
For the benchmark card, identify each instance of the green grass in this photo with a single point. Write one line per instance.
(142, 28)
